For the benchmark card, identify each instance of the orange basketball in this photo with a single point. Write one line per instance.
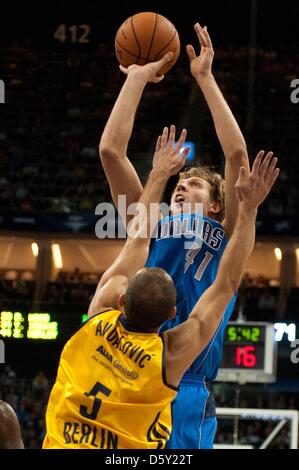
(146, 37)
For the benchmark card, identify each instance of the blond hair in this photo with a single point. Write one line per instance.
(216, 182)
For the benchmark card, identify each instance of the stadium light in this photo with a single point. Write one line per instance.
(191, 154)
(278, 254)
(56, 253)
(34, 247)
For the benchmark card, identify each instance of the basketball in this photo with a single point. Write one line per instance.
(146, 37)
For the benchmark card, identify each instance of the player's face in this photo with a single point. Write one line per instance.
(191, 195)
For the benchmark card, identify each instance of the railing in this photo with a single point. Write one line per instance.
(282, 416)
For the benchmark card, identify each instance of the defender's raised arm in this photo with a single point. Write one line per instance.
(186, 341)
(168, 160)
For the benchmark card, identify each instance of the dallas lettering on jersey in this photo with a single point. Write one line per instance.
(196, 227)
(83, 433)
(127, 348)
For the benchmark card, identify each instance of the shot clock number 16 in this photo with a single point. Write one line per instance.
(249, 353)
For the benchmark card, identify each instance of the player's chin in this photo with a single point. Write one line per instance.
(177, 208)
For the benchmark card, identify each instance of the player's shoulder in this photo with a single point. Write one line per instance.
(191, 216)
(104, 310)
(7, 413)
(104, 314)
(214, 222)
(10, 434)
(5, 409)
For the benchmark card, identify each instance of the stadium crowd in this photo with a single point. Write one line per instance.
(49, 149)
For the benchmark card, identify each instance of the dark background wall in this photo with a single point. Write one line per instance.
(229, 20)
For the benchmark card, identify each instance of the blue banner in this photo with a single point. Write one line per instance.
(85, 223)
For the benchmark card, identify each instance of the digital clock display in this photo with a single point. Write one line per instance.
(248, 334)
(243, 357)
(39, 326)
(27, 326)
(244, 347)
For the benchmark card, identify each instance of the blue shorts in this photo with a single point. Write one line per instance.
(193, 415)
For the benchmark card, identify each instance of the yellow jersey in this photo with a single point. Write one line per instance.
(110, 390)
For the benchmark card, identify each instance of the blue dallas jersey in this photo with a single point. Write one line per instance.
(189, 248)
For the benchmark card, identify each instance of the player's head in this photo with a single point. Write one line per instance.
(150, 299)
(10, 434)
(199, 185)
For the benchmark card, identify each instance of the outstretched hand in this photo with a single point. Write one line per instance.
(253, 187)
(170, 158)
(201, 65)
(148, 72)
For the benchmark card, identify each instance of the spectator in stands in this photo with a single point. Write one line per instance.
(75, 276)
(261, 281)
(8, 376)
(40, 386)
(267, 301)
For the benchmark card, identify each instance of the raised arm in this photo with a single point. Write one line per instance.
(227, 129)
(185, 342)
(122, 176)
(167, 162)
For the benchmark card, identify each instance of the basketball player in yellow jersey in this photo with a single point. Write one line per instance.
(117, 376)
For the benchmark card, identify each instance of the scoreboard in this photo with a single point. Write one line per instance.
(249, 349)
(249, 353)
(30, 326)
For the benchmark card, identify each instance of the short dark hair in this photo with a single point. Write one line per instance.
(150, 298)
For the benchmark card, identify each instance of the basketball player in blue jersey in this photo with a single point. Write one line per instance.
(117, 374)
(191, 261)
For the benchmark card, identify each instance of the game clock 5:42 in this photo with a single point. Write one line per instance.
(249, 351)
(245, 332)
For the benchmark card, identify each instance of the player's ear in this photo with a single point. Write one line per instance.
(214, 208)
(121, 300)
(174, 310)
